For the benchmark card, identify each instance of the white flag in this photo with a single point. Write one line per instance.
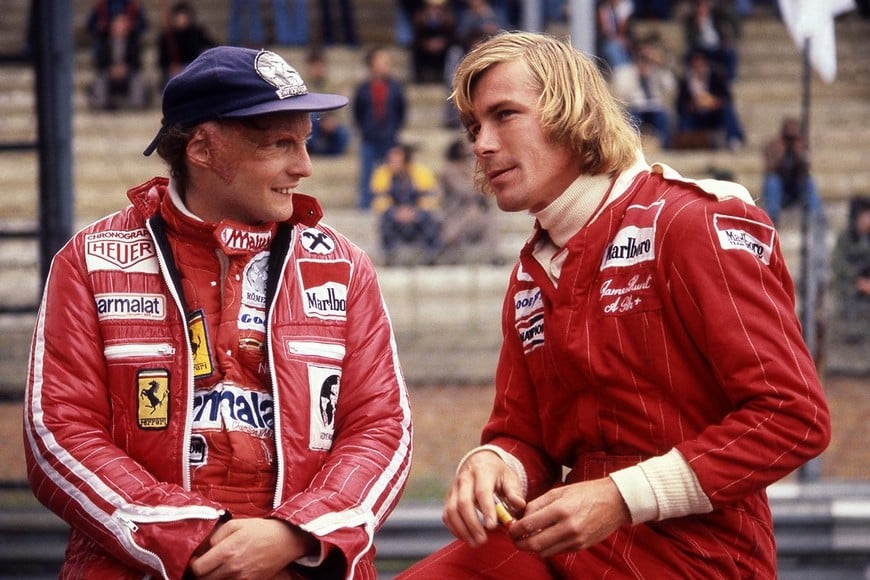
(814, 20)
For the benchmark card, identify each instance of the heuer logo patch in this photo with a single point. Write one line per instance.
(128, 251)
(152, 388)
(200, 350)
(324, 288)
(317, 242)
(635, 242)
(237, 240)
(746, 235)
(130, 306)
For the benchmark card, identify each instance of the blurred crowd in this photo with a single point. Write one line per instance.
(678, 98)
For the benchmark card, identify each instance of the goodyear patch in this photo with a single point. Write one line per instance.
(152, 388)
(529, 318)
(200, 349)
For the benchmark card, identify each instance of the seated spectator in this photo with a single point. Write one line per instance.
(646, 86)
(614, 32)
(181, 41)
(705, 103)
(713, 27)
(118, 78)
(406, 199)
(850, 262)
(433, 29)
(787, 178)
(467, 216)
(330, 133)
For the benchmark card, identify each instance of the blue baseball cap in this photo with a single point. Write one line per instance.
(229, 82)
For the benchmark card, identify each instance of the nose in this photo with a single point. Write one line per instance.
(300, 162)
(484, 142)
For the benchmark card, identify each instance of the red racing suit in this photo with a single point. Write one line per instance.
(110, 411)
(673, 326)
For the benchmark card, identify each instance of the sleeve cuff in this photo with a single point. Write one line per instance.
(511, 461)
(661, 488)
(314, 560)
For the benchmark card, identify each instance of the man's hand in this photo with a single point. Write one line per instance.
(570, 518)
(251, 548)
(481, 477)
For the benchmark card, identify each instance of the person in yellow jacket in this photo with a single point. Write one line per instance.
(407, 201)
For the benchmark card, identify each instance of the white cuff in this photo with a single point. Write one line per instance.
(637, 493)
(511, 461)
(314, 560)
(661, 488)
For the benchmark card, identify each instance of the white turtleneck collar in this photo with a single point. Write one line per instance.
(581, 203)
(577, 206)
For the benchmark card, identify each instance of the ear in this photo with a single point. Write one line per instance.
(198, 151)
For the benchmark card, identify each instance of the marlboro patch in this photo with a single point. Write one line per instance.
(200, 350)
(745, 235)
(152, 387)
(324, 288)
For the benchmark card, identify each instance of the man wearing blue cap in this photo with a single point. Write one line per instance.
(173, 409)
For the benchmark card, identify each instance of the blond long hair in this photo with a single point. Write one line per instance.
(576, 106)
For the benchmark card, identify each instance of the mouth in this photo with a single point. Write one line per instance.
(492, 174)
(284, 190)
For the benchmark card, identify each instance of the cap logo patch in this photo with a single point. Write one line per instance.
(274, 70)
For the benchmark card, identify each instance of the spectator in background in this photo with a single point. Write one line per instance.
(705, 103)
(102, 12)
(467, 216)
(181, 40)
(289, 19)
(476, 21)
(713, 27)
(406, 199)
(850, 262)
(614, 31)
(246, 24)
(787, 178)
(346, 21)
(647, 86)
(433, 31)
(118, 79)
(379, 111)
(330, 134)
